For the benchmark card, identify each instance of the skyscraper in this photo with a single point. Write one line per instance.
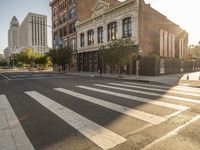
(33, 33)
(13, 35)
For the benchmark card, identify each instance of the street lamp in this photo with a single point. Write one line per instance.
(138, 58)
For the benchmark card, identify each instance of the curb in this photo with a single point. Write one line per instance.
(116, 78)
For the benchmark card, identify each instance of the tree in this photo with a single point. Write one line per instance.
(29, 58)
(194, 51)
(117, 53)
(2, 62)
(61, 56)
(25, 57)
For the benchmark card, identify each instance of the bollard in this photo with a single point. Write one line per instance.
(188, 77)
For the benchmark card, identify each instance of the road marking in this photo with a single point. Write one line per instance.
(5, 76)
(12, 135)
(153, 94)
(178, 87)
(101, 136)
(153, 119)
(172, 133)
(37, 78)
(154, 89)
(135, 98)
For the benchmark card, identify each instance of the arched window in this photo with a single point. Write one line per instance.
(112, 31)
(127, 27)
(100, 34)
(90, 37)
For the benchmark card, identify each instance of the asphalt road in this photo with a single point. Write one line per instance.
(58, 111)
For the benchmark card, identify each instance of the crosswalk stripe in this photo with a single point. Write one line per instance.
(135, 98)
(12, 135)
(178, 87)
(155, 89)
(101, 136)
(153, 94)
(153, 119)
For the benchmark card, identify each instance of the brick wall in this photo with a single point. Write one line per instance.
(150, 23)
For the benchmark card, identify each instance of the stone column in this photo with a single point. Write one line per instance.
(119, 29)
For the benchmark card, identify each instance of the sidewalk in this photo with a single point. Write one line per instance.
(172, 79)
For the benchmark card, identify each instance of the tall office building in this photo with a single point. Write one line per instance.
(33, 33)
(13, 35)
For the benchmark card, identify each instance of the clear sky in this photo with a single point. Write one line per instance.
(181, 12)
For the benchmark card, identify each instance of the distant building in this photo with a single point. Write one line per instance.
(33, 33)
(2, 57)
(13, 35)
(7, 52)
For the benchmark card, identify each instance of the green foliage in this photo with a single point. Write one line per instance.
(60, 56)
(118, 52)
(194, 51)
(3, 63)
(29, 58)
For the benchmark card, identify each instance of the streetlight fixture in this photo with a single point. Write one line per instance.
(138, 58)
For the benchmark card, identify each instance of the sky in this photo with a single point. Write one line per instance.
(180, 12)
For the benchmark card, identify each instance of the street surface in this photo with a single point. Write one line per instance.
(55, 111)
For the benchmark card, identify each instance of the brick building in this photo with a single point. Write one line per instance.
(85, 25)
(150, 30)
(65, 15)
(159, 35)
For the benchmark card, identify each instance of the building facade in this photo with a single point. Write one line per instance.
(150, 31)
(6, 53)
(105, 25)
(33, 33)
(13, 35)
(65, 15)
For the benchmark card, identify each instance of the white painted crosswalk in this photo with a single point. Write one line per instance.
(156, 89)
(153, 119)
(180, 88)
(101, 136)
(12, 135)
(98, 134)
(136, 98)
(190, 100)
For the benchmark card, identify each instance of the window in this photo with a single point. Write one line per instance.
(112, 31)
(90, 37)
(82, 41)
(61, 20)
(72, 2)
(65, 30)
(100, 34)
(72, 13)
(65, 18)
(60, 32)
(127, 27)
(32, 31)
(72, 28)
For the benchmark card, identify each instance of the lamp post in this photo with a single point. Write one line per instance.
(138, 58)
